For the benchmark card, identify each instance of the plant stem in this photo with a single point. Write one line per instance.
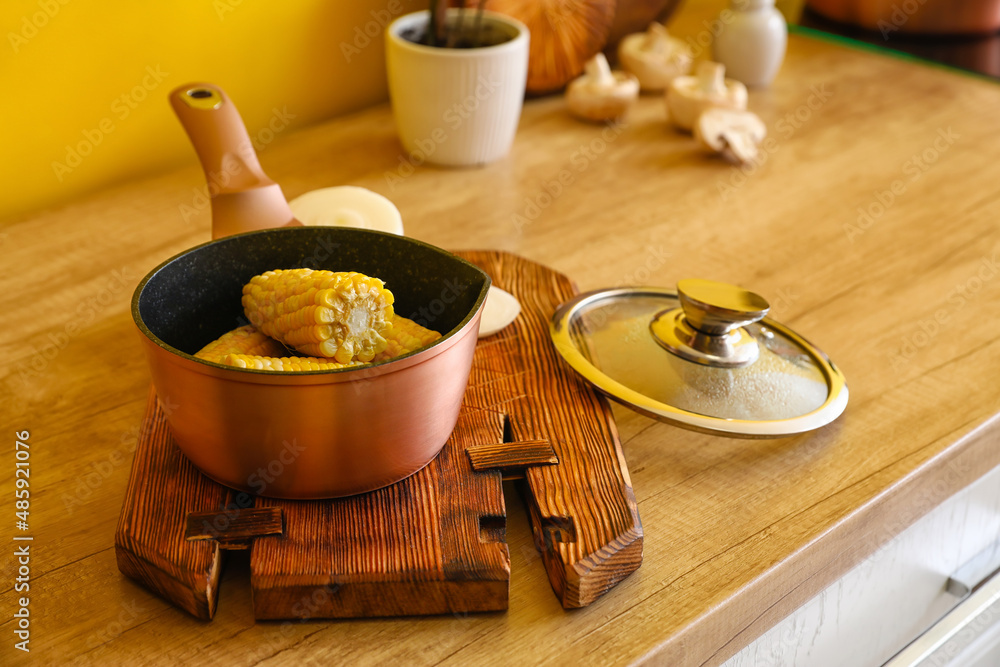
(477, 34)
(456, 34)
(437, 28)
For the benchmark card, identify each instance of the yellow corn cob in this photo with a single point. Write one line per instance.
(265, 363)
(405, 336)
(342, 316)
(244, 340)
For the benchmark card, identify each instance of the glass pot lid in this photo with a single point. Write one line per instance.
(704, 357)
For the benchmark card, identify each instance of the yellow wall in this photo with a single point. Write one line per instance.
(92, 76)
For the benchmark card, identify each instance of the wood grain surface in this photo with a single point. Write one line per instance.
(151, 542)
(583, 510)
(233, 528)
(737, 534)
(416, 547)
(511, 458)
(433, 543)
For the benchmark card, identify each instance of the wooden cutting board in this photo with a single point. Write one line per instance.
(432, 543)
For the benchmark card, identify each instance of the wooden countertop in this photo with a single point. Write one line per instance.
(737, 533)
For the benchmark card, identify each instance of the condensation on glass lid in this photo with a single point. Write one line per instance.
(783, 383)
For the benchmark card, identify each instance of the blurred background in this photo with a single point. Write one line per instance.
(85, 81)
(92, 76)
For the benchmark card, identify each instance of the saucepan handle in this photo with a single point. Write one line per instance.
(243, 197)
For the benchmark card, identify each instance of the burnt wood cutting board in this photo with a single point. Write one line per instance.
(432, 543)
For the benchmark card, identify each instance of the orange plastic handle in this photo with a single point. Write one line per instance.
(243, 197)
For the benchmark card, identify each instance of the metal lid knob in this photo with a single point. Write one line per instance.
(708, 327)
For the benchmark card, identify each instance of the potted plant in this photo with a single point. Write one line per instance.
(456, 81)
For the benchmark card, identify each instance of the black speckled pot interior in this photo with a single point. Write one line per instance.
(193, 298)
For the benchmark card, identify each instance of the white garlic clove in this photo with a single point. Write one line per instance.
(347, 206)
(501, 309)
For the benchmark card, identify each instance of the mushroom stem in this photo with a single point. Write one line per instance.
(712, 78)
(600, 94)
(657, 38)
(597, 68)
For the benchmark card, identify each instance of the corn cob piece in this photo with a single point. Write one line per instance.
(264, 363)
(244, 340)
(406, 336)
(342, 316)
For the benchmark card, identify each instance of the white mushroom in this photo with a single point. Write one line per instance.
(688, 96)
(654, 57)
(347, 206)
(734, 134)
(600, 94)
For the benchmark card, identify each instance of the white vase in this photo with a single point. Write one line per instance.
(456, 107)
(752, 42)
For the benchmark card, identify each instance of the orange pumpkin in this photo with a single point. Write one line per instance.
(636, 15)
(565, 34)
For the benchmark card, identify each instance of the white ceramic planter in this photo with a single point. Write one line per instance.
(456, 107)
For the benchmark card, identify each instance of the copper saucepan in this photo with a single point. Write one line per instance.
(313, 434)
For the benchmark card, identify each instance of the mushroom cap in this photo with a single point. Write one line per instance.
(654, 70)
(565, 34)
(592, 100)
(735, 134)
(687, 96)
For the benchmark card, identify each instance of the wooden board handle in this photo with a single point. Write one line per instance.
(511, 458)
(235, 528)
